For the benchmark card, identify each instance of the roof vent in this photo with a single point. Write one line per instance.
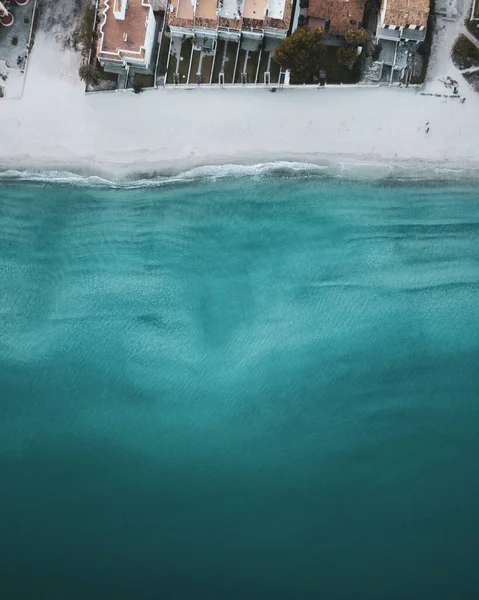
(125, 37)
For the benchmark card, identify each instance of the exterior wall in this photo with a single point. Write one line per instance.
(279, 34)
(180, 31)
(111, 66)
(382, 14)
(202, 32)
(150, 37)
(252, 35)
(229, 34)
(389, 32)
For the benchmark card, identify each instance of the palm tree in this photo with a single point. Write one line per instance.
(346, 56)
(89, 74)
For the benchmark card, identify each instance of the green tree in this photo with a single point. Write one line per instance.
(89, 74)
(302, 52)
(346, 56)
(356, 37)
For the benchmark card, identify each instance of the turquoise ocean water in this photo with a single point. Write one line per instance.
(256, 387)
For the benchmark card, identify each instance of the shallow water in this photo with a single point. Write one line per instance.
(243, 388)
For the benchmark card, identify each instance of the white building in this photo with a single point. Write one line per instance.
(126, 34)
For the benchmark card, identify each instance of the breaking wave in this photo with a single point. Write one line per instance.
(366, 171)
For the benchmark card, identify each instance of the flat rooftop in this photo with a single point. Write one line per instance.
(185, 9)
(230, 9)
(255, 9)
(275, 9)
(127, 35)
(207, 9)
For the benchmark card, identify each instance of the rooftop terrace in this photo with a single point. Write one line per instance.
(275, 9)
(230, 9)
(185, 9)
(181, 13)
(125, 36)
(255, 9)
(207, 9)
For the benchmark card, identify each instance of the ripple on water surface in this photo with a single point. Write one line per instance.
(242, 387)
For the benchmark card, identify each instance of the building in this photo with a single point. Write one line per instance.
(403, 20)
(401, 28)
(127, 32)
(230, 19)
(335, 17)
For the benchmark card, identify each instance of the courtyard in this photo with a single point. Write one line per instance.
(14, 49)
(218, 61)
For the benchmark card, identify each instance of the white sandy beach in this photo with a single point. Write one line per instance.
(56, 126)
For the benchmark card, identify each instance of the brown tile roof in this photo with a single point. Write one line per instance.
(206, 23)
(230, 23)
(253, 23)
(406, 12)
(342, 14)
(111, 42)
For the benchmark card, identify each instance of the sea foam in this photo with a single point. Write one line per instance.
(364, 170)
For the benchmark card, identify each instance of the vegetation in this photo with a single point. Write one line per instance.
(424, 49)
(464, 53)
(144, 80)
(90, 74)
(473, 80)
(302, 52)
(473, 26)
(347, 56)
(376, 51)
(83, 37)
(83, 40)
(356, 37)
(302, 20)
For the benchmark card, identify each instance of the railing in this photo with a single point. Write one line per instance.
(251, 86)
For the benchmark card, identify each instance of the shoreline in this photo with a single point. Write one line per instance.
(365, 132)
(347, 168)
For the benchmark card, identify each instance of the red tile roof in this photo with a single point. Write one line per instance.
(342, 14)
(406, 12)
(112, 32)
